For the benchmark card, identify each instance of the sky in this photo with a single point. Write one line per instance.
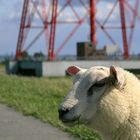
(10, 13)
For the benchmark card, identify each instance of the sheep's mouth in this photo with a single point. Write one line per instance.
(72, 121)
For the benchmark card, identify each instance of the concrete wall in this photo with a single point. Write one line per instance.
(29, 68)
(31, 65)
(58, 68)
(11, 67)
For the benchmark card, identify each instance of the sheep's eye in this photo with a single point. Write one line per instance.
(90, 91)
(96, 85)
(100, 84)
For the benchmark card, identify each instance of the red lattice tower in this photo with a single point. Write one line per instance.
(49, 12)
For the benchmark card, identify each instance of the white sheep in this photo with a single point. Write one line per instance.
(105, 99)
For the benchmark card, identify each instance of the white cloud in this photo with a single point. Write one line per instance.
(103, 10)
(13, 13)
(68, 14)
(75, 3)
(10, 12)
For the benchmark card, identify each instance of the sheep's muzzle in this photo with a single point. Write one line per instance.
(66, 109)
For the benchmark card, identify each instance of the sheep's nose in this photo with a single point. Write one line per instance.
(62, 112)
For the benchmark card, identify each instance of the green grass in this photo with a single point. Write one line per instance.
(40, 97)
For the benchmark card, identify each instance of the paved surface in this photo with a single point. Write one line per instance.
(14, 126)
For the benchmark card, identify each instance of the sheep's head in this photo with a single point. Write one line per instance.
(89, 87)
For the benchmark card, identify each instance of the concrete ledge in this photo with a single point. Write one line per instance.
(28, 68)
(58, 68)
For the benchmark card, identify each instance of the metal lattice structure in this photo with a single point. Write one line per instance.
(49, 12)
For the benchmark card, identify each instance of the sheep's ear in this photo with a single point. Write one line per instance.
(73, 70)
(117, 77)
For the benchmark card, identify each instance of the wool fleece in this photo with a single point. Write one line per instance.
(106, 99)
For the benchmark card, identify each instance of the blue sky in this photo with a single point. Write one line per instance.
(10, 12)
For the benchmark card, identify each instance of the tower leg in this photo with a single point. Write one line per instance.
(92, 22)
(52, 30)
(123, 26)
(21, 35)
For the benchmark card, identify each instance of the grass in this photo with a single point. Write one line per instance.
(40, 97)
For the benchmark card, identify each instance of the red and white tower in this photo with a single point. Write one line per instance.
(49, 12)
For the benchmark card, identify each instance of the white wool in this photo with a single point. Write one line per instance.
(120, 121)
(116, 115)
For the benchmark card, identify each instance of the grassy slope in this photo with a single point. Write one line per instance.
(39, 97)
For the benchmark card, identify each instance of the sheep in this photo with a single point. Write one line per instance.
(105, 99)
